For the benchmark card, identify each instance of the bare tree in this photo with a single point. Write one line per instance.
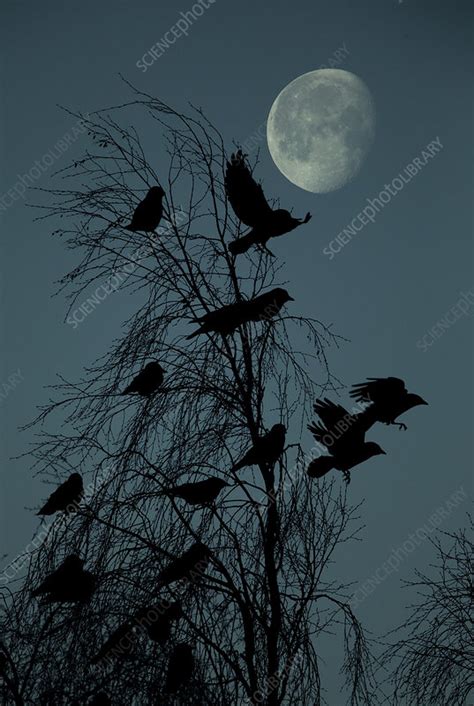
(255, 613)
(432, 661)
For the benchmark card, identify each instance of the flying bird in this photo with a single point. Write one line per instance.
(121, 642)
(159, 629)
(251, 207)
(343, 434)
(148, 380)
(180, 668)
(203, 492)
(190, 565)
(389, 398)
(149, 212)
(226, 319)
(69, 583)
(66, 497)
(266, 450)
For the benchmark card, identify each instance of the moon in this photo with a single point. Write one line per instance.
(320, 129)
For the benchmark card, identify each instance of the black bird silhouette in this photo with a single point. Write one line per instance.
(203, 492)
(228, 318)
(148, 380)
(159, 630)
(251, 207)
(180, 668)
(121, 642)
(347, 446)
(389, 398)
(149, 212)
(266, 450)
(69, 583)
(190, 565)
(66, 497)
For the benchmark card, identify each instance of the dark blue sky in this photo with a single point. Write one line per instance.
(384, 291)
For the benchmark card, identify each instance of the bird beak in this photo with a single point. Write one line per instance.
(290, 299)
(423, 401)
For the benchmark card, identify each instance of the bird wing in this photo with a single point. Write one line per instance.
(342, 427)
(56, 499)
(378, 390)
(245, 195)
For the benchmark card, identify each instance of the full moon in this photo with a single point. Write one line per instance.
(320, 129)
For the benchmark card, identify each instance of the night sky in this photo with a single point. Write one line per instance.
(394, 289)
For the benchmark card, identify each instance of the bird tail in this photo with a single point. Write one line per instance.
(320, 466)
(129, 227)
(241, 245)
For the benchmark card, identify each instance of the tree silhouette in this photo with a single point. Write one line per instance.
(432, 661)
(254, 609)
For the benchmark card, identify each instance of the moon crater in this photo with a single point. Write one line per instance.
(320, 129)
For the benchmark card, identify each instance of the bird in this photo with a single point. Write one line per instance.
(389, 398)
(159, 629)
(149, 212)
(180, 668)
(66, 497)
(120, 642)
(343, 434)
(226, 319)
(251, 207)
(266, 450)
(191, 564)
(203, 492)
(148, 380)
(70, 567)
(69, 583)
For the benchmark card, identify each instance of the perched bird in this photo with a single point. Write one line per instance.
(69, 583)
(343, 434)
(266, 450)
(180, 668)
(226, 319)
(148, 380)
(149, 212)
(71, 567)
(159, 629)
(120, 643)
(389, 398)
(251, 207)
(190, 565)
(66, 497)
(203, 492)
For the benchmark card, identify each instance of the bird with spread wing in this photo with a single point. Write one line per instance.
(389, 399)
(343, 434)
(251, 207)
